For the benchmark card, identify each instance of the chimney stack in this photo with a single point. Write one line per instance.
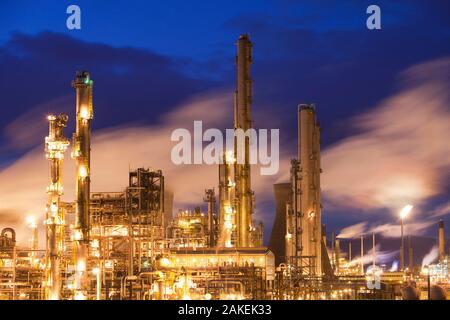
(337, 253)
(441, 241)
(410, 255)
(349, 251)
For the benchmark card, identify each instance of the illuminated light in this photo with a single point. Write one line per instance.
(288, 236)
(405, 211)
(53, 208)
(95, 243)
(54, 296)
(208, 296)
(51, 117)
(76, 153)
(425, 270)
(96, 271)
(229, 157)
(79, 296)
(81, 266)
(77, 235)
(82, 172)
(228, 210)
(84, 114)
(165, 262)
(31, 221)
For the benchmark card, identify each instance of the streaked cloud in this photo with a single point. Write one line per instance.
(400, 154)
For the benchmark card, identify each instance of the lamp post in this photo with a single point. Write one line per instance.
(403, 214)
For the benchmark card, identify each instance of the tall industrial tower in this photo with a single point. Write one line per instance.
(55, 146)
(303, 237)
(227, 211)
(242, 120)
(82, 154)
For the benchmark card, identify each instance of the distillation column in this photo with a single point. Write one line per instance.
(55, 146)
(227, 211)
(243, 99)
(305, 175)
(82, 154)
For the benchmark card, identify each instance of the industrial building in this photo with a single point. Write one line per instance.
(128, 245)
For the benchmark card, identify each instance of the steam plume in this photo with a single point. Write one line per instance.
(400, 154)
(431, 256)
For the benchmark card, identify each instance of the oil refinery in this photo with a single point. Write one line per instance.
(128, 245)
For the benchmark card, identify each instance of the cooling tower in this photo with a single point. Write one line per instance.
(282, 192)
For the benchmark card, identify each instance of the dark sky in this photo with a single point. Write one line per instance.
(148, 56)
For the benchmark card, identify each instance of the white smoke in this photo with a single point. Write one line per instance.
(353, 231)
(441, 210)
(401, 153)
(431, 256)
(388, 230)
(394, 266)
(381, 257)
